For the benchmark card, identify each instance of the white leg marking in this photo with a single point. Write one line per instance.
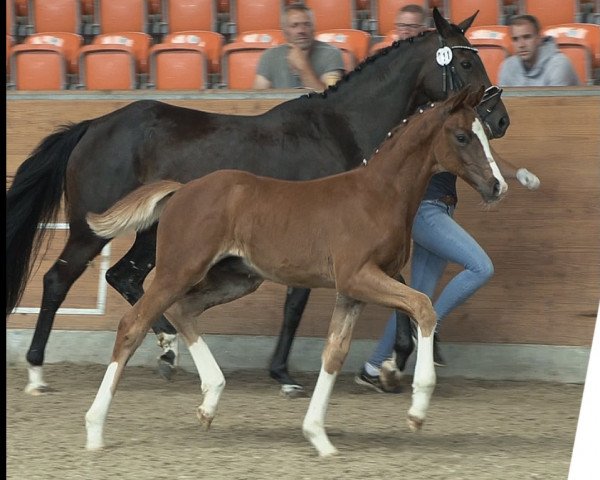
(480, 132)
(36, 384)
(424, 379)
(211, 376)
(96, 415)
(314, 421)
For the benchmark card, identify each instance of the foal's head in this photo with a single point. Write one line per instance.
(461, 146)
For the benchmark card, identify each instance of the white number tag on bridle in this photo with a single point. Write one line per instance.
(443, 56)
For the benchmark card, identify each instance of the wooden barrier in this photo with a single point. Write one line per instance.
(544, 244)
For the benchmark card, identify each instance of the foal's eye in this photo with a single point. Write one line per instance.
(461, 138)
(466, 64)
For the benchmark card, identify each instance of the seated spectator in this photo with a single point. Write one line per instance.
(537, 61)
(410, 21)
(303, 62)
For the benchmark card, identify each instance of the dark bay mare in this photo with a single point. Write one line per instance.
(96, 162)
(219, 237)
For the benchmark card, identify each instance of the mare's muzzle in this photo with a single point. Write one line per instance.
(492, 112)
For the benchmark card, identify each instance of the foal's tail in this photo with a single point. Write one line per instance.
(137, 211)
(32, 199)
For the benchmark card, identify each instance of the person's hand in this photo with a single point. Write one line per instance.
(298, 58)
(528, 179)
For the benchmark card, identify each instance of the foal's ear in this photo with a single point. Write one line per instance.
(466, 24)
(456, 102)
(475, 97)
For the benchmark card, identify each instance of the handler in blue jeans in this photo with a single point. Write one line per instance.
(437, 240)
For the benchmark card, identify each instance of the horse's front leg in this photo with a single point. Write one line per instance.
(372, 285)
(127, 277)
(344, 317)
(295, 302)
(508, 170)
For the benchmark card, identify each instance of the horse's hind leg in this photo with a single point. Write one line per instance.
(295, 302)
(344, 317)
(80, 249)
(127, 277)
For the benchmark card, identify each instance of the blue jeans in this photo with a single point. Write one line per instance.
(437, 240)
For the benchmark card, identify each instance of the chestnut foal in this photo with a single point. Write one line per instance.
(221, 235)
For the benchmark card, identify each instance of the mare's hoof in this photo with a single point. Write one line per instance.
(205, 420)
(415, 424)
(293, 391)
(165, 369)
(38, 390)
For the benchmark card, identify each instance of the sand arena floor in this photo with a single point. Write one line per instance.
(475, 430)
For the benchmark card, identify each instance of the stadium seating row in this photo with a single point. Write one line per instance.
(196, 60)
(231, 17)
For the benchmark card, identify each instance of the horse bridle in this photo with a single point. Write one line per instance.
(451, 79)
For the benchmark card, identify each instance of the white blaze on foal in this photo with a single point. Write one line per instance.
(480, 132)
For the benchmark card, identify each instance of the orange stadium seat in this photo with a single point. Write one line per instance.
(584, 34)
(223, 6)
(21, 7)
(490, 11)
(331, 14)
(353, 43)
(210, 42)
(87, 7)
(581, 43)
(55, 16)
(390, 38)
(137, 42)
(240, 58)
(121, 16)
(68, 43)
(180, 15)
(11, 22)
(551, 12)
(260, 15)
(178, 66)
(384, 12)
(107, 67)
(38, 67)
(494, 45)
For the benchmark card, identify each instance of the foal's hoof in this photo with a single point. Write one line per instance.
(293, 391)
(415, 424)
(38, 390)
(204, 418)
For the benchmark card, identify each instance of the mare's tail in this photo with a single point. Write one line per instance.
(32, 199)
(137, 211)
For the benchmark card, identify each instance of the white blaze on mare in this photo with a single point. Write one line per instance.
(480, 132)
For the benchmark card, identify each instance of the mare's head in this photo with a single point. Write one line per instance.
(461, 146)
(455, 64)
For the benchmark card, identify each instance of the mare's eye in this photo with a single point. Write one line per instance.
(466, 64)
(461, 138)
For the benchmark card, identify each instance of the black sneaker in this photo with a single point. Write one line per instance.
(438, 360)
(373, 382)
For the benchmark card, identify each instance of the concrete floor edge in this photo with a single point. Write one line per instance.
(565, 364)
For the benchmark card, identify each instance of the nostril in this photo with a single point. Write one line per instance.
(496, 188)
(504, 122)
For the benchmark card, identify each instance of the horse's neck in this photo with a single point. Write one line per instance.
(375, 99)
(404, 163)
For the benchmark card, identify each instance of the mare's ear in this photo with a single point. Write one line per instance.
(466, 24)
(441, 24)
